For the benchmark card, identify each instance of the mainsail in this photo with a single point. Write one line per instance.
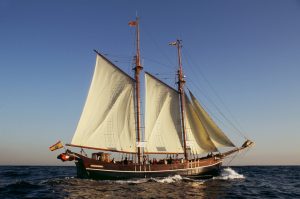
(162, 117)
(198, 139)
(215, 133)
(108, 120)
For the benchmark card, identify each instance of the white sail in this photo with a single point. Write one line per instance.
(108, 120)
(162, 118)
(215, 133)
(196, 136)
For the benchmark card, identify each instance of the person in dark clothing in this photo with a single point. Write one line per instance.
(125, 160)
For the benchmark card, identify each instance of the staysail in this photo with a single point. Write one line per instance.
(108, 118)
(215, 133)
(198, 139)
(162, 118)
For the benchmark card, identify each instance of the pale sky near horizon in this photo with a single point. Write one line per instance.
(242, 56)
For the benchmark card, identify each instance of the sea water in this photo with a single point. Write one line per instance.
(233, 182)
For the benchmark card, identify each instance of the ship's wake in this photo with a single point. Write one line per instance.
(229, 174)
(226, 174)
(169, 179)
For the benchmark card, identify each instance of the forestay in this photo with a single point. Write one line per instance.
(162, 117)
(108, 118)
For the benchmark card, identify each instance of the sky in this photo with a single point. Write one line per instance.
(240, 59)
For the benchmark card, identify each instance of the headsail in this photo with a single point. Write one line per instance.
(162, 118)
(108, 120)
(215, 133)
(198, 139)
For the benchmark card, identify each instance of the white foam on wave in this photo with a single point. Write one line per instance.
(137, 181)
(67, 178)
(169, 179)
(229, 174)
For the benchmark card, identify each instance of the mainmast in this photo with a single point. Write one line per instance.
(137, 70)
(181, 83)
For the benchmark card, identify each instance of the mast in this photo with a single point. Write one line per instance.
(137, 70)
(181, 83)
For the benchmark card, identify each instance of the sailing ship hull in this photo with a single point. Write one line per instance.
(94, 169)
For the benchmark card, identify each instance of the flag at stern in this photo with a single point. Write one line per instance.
(56, 146)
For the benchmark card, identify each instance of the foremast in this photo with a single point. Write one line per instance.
(137, 69)
(181, 83)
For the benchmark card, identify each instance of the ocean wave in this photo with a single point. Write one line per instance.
(59, 182)
(137, 181)
(17, 188)
(229, 174)
(170, 179)
(21, 185)
(12, 174)
(226, 174)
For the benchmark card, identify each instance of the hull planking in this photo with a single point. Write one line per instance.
(95, 169)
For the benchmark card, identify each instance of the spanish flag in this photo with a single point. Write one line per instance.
(58, 145)
(132, 23)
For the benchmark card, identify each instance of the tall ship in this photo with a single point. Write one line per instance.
(178, 137)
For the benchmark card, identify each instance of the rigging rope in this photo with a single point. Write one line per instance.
(215, 116)
(244, 153)
(218, 110)
(158, 62)
(233, 157)
(240, 156)
(153, 41)
(172, 66)
(218, 96)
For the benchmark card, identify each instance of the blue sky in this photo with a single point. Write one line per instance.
(237, 55)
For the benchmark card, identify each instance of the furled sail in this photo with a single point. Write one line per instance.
(215, 133)
(162, 118)
(108, 120)
(198, 139)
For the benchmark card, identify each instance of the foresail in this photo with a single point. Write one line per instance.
(215, 133)
(162, 118)
(197, 138)
(108, 119)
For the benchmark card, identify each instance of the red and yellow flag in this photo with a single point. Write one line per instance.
(132, 23)
(55, 146)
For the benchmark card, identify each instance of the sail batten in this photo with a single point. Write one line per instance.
(216, 134)
(162, 117)
(108, 118)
